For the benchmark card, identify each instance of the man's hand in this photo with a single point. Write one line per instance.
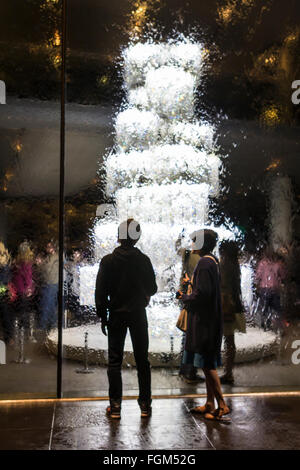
(104, 327)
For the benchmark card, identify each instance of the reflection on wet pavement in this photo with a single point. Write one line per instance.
(265, 422)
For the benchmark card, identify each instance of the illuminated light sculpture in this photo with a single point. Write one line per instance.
(164, 165)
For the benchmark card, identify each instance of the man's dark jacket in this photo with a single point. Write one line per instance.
(125, 279)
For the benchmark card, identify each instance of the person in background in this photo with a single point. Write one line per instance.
(205, 323)
(6, 317)
(36, 299)
(24, 286)
(125, 283)
(270, 276)
(49, 289)
(73, 284)
(232, 307)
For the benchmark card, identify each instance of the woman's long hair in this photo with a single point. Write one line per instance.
(25, 253)
(4, 255)
(230, 271)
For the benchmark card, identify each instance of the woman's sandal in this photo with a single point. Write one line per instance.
(202, 410)
(218, 414)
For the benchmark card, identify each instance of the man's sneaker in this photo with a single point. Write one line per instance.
(193, 379)
(227, 380)
(146, 409)
(114, 411)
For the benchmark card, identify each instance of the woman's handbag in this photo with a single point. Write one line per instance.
(182, 320)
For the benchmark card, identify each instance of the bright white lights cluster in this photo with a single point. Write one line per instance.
(162, 165)
(140, 58)
(168, 204)
(161, 81)
(195, 134)
(171, 93)
(137, 129)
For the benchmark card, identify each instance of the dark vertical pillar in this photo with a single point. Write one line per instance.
(61, 201)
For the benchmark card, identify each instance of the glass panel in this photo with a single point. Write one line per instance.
(29, 185)
(180, 114)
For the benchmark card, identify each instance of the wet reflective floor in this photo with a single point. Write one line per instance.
(257, 422)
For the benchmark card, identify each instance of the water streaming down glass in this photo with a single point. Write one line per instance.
(162, 170)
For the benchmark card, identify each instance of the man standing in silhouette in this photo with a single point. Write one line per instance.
(125, 283)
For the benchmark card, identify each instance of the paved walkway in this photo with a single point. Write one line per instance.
(257, 422)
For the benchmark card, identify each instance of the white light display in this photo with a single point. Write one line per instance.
(170, 93)
(164, 166)
(138, 130)
(141, 58)
(161, 165)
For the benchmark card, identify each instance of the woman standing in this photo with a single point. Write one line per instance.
(6, 317)
(22, 280)
(204, 327)
(189, 262)
(49, 289)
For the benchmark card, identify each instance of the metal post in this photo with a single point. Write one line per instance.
(172, 345)
(86, 369)
(31, 325)
(86, 351)
(61, 201)
(31, 328)
(20, 341)
(172, 353)
(65, 319)
(21, 346)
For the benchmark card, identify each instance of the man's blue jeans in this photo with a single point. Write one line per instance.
(48, 306)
